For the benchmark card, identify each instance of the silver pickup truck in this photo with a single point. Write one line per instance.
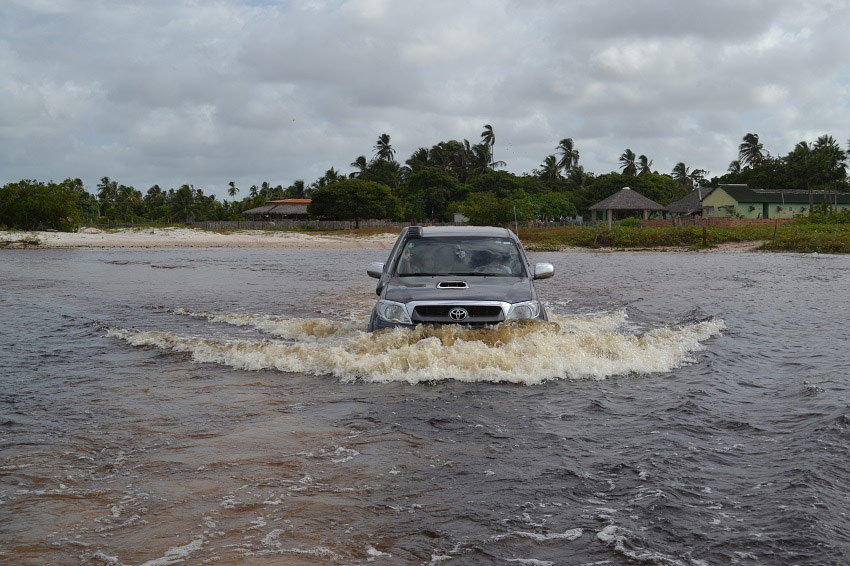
(471, 275)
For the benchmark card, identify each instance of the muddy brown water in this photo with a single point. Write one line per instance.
(225, 406)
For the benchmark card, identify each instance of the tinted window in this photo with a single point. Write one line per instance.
(460, 256)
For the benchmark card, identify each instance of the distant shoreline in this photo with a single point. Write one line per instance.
(196, 238)
(189, 238)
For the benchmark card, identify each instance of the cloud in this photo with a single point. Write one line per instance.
(170, 93)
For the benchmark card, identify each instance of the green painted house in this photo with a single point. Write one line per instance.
(744, 202)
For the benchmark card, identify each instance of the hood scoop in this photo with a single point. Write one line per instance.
(452, 285)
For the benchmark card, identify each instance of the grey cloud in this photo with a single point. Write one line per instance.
(166, 93)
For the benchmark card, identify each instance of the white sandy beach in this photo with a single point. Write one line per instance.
(195, 238)
(189, 238)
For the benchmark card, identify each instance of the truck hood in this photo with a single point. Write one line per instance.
(508, 289)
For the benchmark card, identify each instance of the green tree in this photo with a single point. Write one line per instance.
(553, 206)
(183, 204)
(750, 152)
(488, 140)
(569, 155)
(33, 205)
(383, 148)
(360, 164)
(682, 173)
(627, 163)
(482, 209)
(644, 165)
(232, 190)
(354, 199)
(430, 191)
(419, 160)
(550, 171)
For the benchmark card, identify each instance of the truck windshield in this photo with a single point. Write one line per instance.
(498, 257)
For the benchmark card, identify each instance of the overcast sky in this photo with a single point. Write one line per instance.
(172, 92)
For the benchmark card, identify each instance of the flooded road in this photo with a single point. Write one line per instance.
(225, 406)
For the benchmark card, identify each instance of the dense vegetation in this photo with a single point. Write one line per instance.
(432, 184)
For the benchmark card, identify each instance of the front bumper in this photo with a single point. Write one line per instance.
(482, 313)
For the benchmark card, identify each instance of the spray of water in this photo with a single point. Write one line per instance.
(568, 347)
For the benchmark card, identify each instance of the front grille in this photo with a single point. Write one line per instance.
(478, 314)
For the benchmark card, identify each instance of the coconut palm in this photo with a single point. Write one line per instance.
(681, 173)
(627, 162)
(107, 193)
(644, 165)
(383, 148)
(232, 190)
(750, 151)
(549, 170)
(734, 166)
(360, 164)
(488, 138)
(569, 155)
(419, 159)
(253, 191)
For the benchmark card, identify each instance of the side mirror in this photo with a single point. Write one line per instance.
(544, 270)
(375, 269)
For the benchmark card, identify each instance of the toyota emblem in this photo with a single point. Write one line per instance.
(458, 314)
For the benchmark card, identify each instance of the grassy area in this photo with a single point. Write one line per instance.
(808, 237)
(800, 236)
(822, 235)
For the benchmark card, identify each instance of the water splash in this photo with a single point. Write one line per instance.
(577, 347)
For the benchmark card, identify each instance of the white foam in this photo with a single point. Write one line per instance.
(176, 554)
(586, 347)
(620, 540)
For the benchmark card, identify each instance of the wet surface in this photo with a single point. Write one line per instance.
(224, 406)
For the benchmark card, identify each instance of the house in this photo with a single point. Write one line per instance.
(744, 202)
(295, 208)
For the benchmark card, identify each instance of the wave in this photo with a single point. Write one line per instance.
(568, 347)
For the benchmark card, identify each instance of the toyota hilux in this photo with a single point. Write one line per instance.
(471, 275)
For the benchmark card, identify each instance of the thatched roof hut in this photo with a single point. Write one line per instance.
(626, 199)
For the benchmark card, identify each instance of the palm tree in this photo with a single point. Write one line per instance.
(232, 190)
(420, 158)
(107, 193)
(183, 202)
(550, 171)
(295, 190)
(569, 155)
(750, 151)
(681, 173)
(627, 162)
(488, 138)
(578, 177)
(697, 177)
(361, 165)
(734, 166)
(644, 165)
(383, 149)
(254, 191)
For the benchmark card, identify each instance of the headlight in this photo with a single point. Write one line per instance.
(390, 311)
(528, 309)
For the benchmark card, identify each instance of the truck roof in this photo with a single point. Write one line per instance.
(460, 231)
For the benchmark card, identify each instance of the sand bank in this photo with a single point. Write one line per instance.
(189, 238)
(195, 238)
